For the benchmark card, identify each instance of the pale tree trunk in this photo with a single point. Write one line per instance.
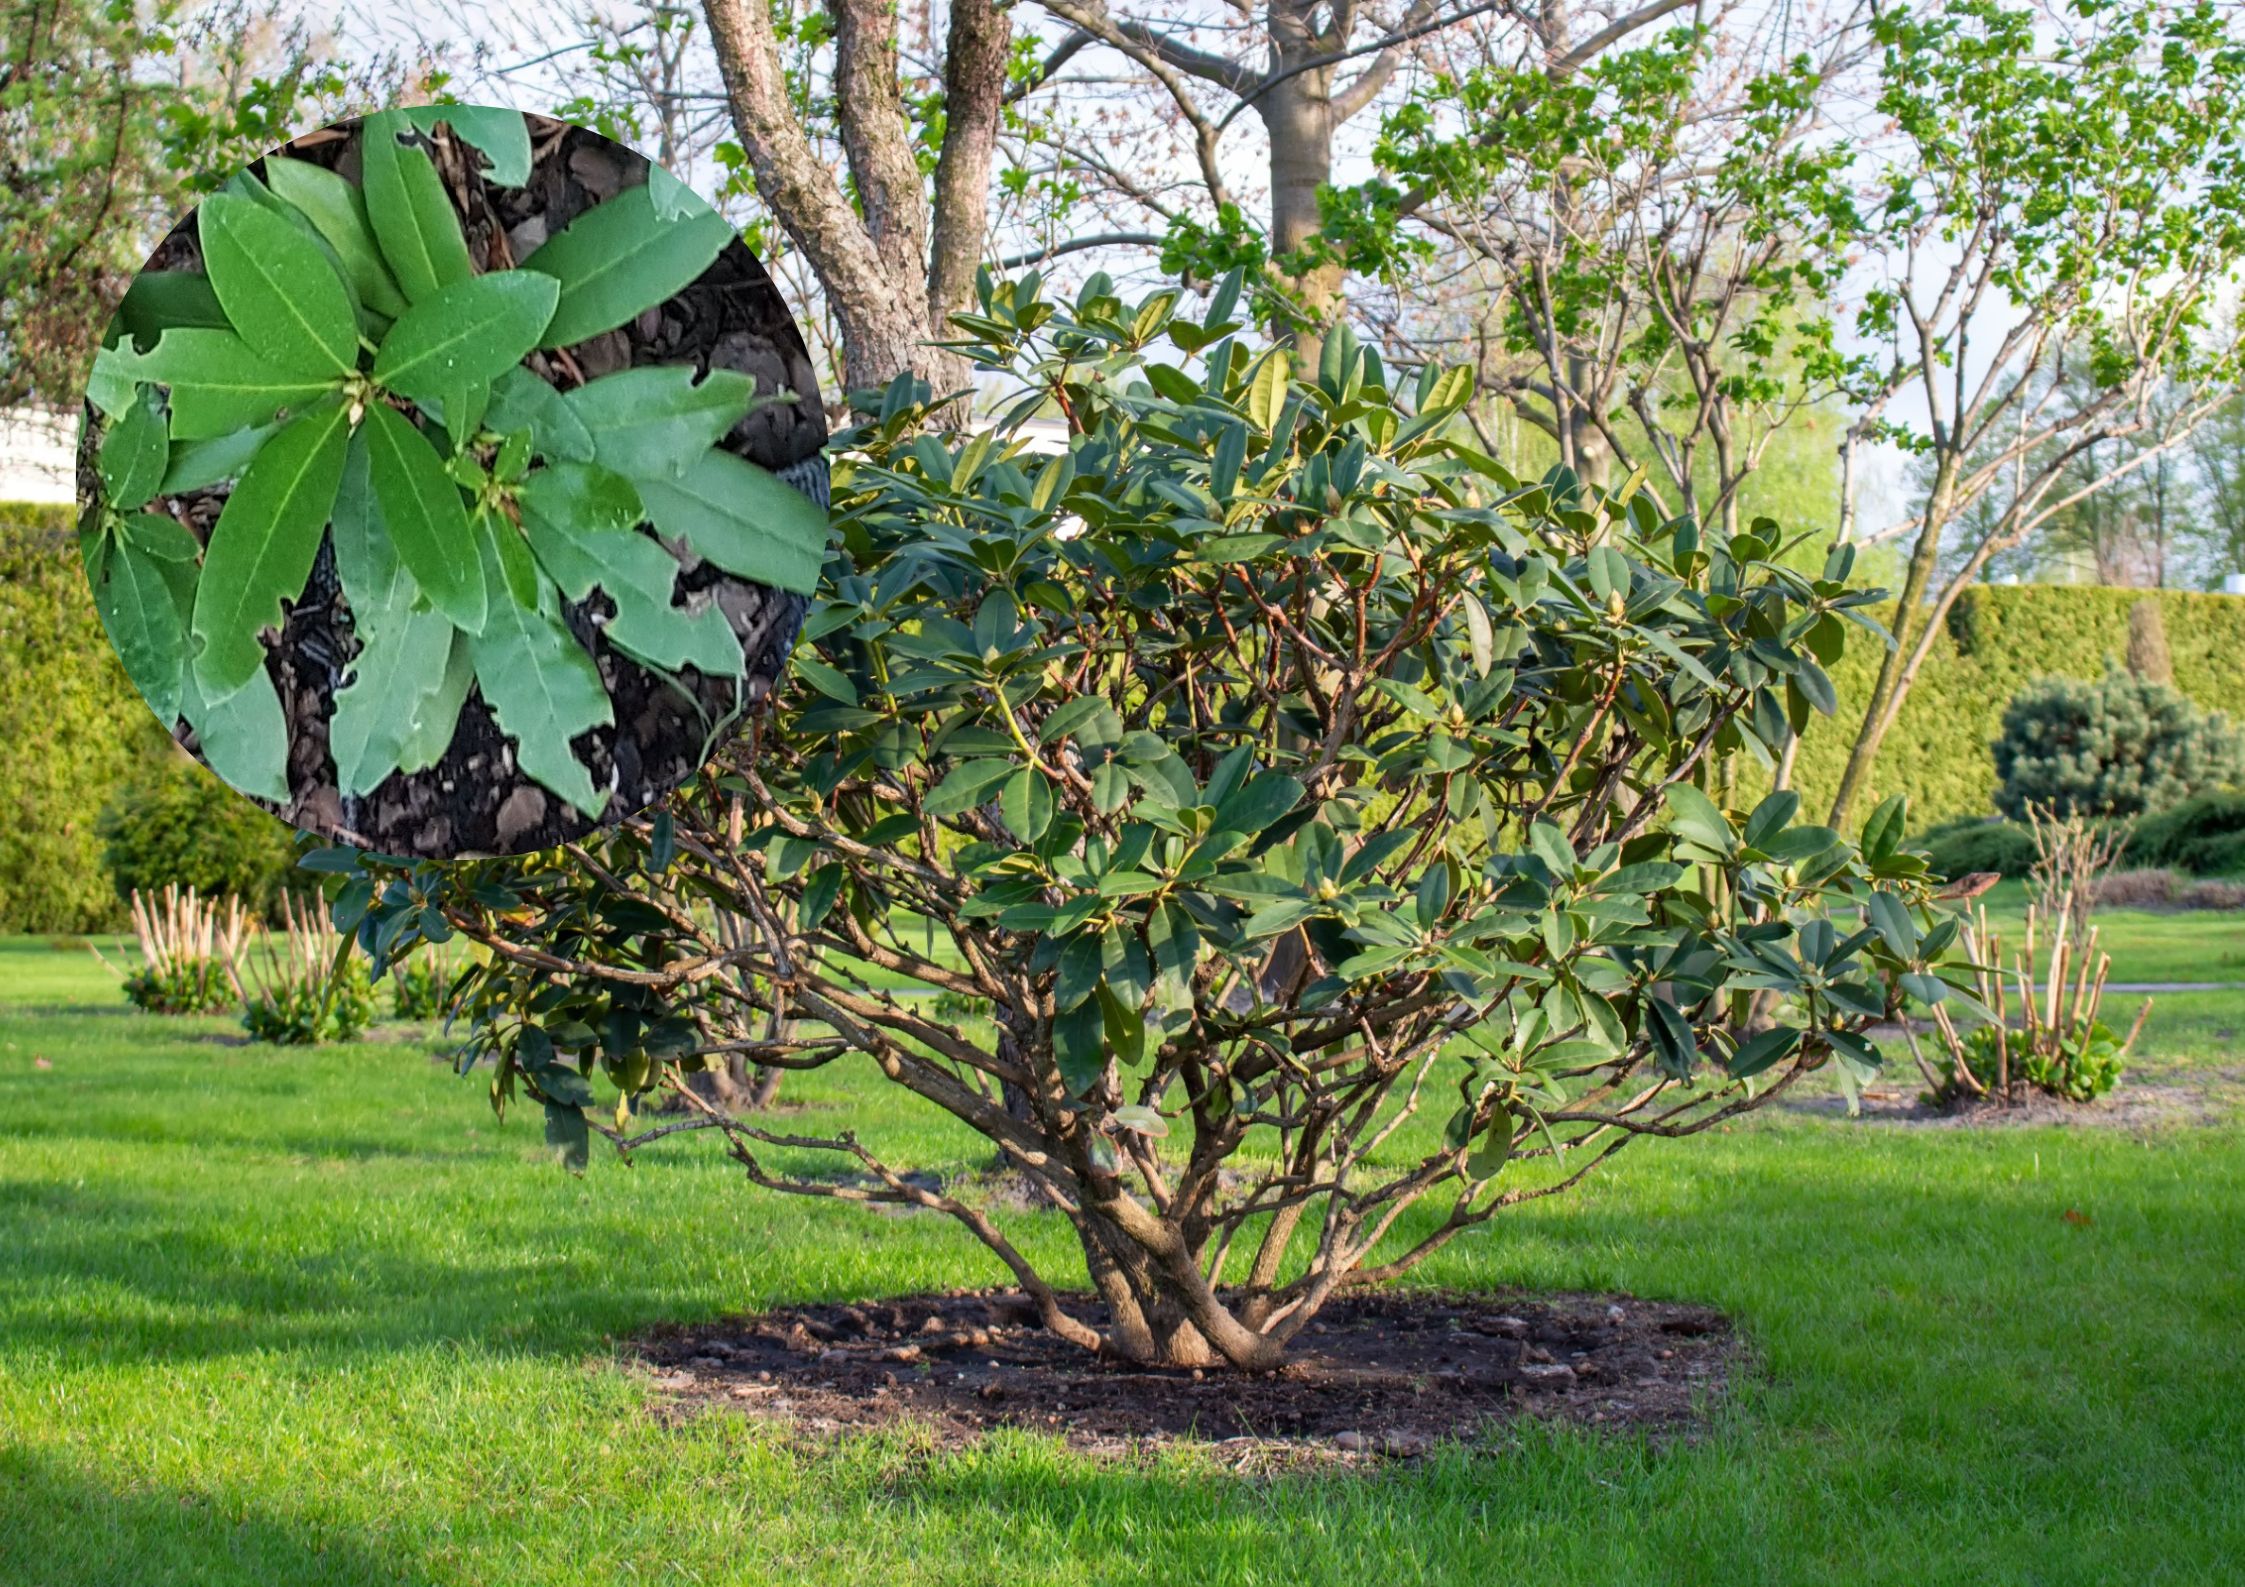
(1895, 667)
(892, 275)
(1297, 113)
(1296, 97)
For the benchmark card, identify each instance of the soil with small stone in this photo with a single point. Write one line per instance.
(476, 799)
(2204, 1098)
(1388, 1374)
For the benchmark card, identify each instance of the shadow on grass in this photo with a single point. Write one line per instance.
(99, 1276)
(59, 1530)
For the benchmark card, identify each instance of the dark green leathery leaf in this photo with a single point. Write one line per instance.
(517, 568)
(163, 300)
(396, 679)
(520, 401)
(657, 421)
(203, 462)
(95, 543)
(136, 608)
(279, 291)
(473, 330)
(219, 384)
(591, 497)
(426, 519)
(662, 634)
(165, 539)
(583, 540)
(501, 134)
(581, 520)
(262, 546)
(672, 199)
(1078, 1047)
(620, 258)
(337, 210)
(461, 411)
(133, 455)
(365, 561)
(411, 213)
(440, 710)
(110, 383)
(545, 691)
(742, 518)
(244, 737)
(400, 665)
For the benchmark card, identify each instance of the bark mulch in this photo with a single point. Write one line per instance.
(1387, 1374)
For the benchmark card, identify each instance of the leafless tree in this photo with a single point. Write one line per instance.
(896, 262)
(1303, 70)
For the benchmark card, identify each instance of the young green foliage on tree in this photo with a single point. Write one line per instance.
(1638, 256)
(1316, 806)
(2056, 227)
(113, 119)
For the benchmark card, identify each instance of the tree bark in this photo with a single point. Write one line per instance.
(873, 258)
(1297, 114)
(974, 77)
(877, 135)
(1939, 507)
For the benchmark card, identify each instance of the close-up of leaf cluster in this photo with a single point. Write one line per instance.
(344, 365)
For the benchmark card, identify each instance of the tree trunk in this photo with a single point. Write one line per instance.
(735, 1085)
(1300, 164)
(974, 72)
(873, 267)
(1894, 671)
(1297, 115)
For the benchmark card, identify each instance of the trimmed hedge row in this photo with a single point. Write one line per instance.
(72, 726)
(1997, 640)
(2204, 836)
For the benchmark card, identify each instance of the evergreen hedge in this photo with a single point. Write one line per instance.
(72, 728)
(176, 824)
(2205, 835)
(1998, 639)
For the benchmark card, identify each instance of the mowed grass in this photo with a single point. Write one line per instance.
(2146, 945)
(315, 1316)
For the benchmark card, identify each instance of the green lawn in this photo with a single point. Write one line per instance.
(2146, 945)
(311, 1317)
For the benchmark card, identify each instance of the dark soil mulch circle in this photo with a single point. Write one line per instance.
(1390, 1373)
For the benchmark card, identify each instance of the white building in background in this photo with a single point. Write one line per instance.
(38, 457)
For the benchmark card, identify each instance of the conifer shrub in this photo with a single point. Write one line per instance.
(2119, 747)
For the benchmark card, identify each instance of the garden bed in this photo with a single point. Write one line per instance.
(1391, 1374)
(2204, 1098)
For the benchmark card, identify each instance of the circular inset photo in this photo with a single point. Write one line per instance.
(452, 482)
